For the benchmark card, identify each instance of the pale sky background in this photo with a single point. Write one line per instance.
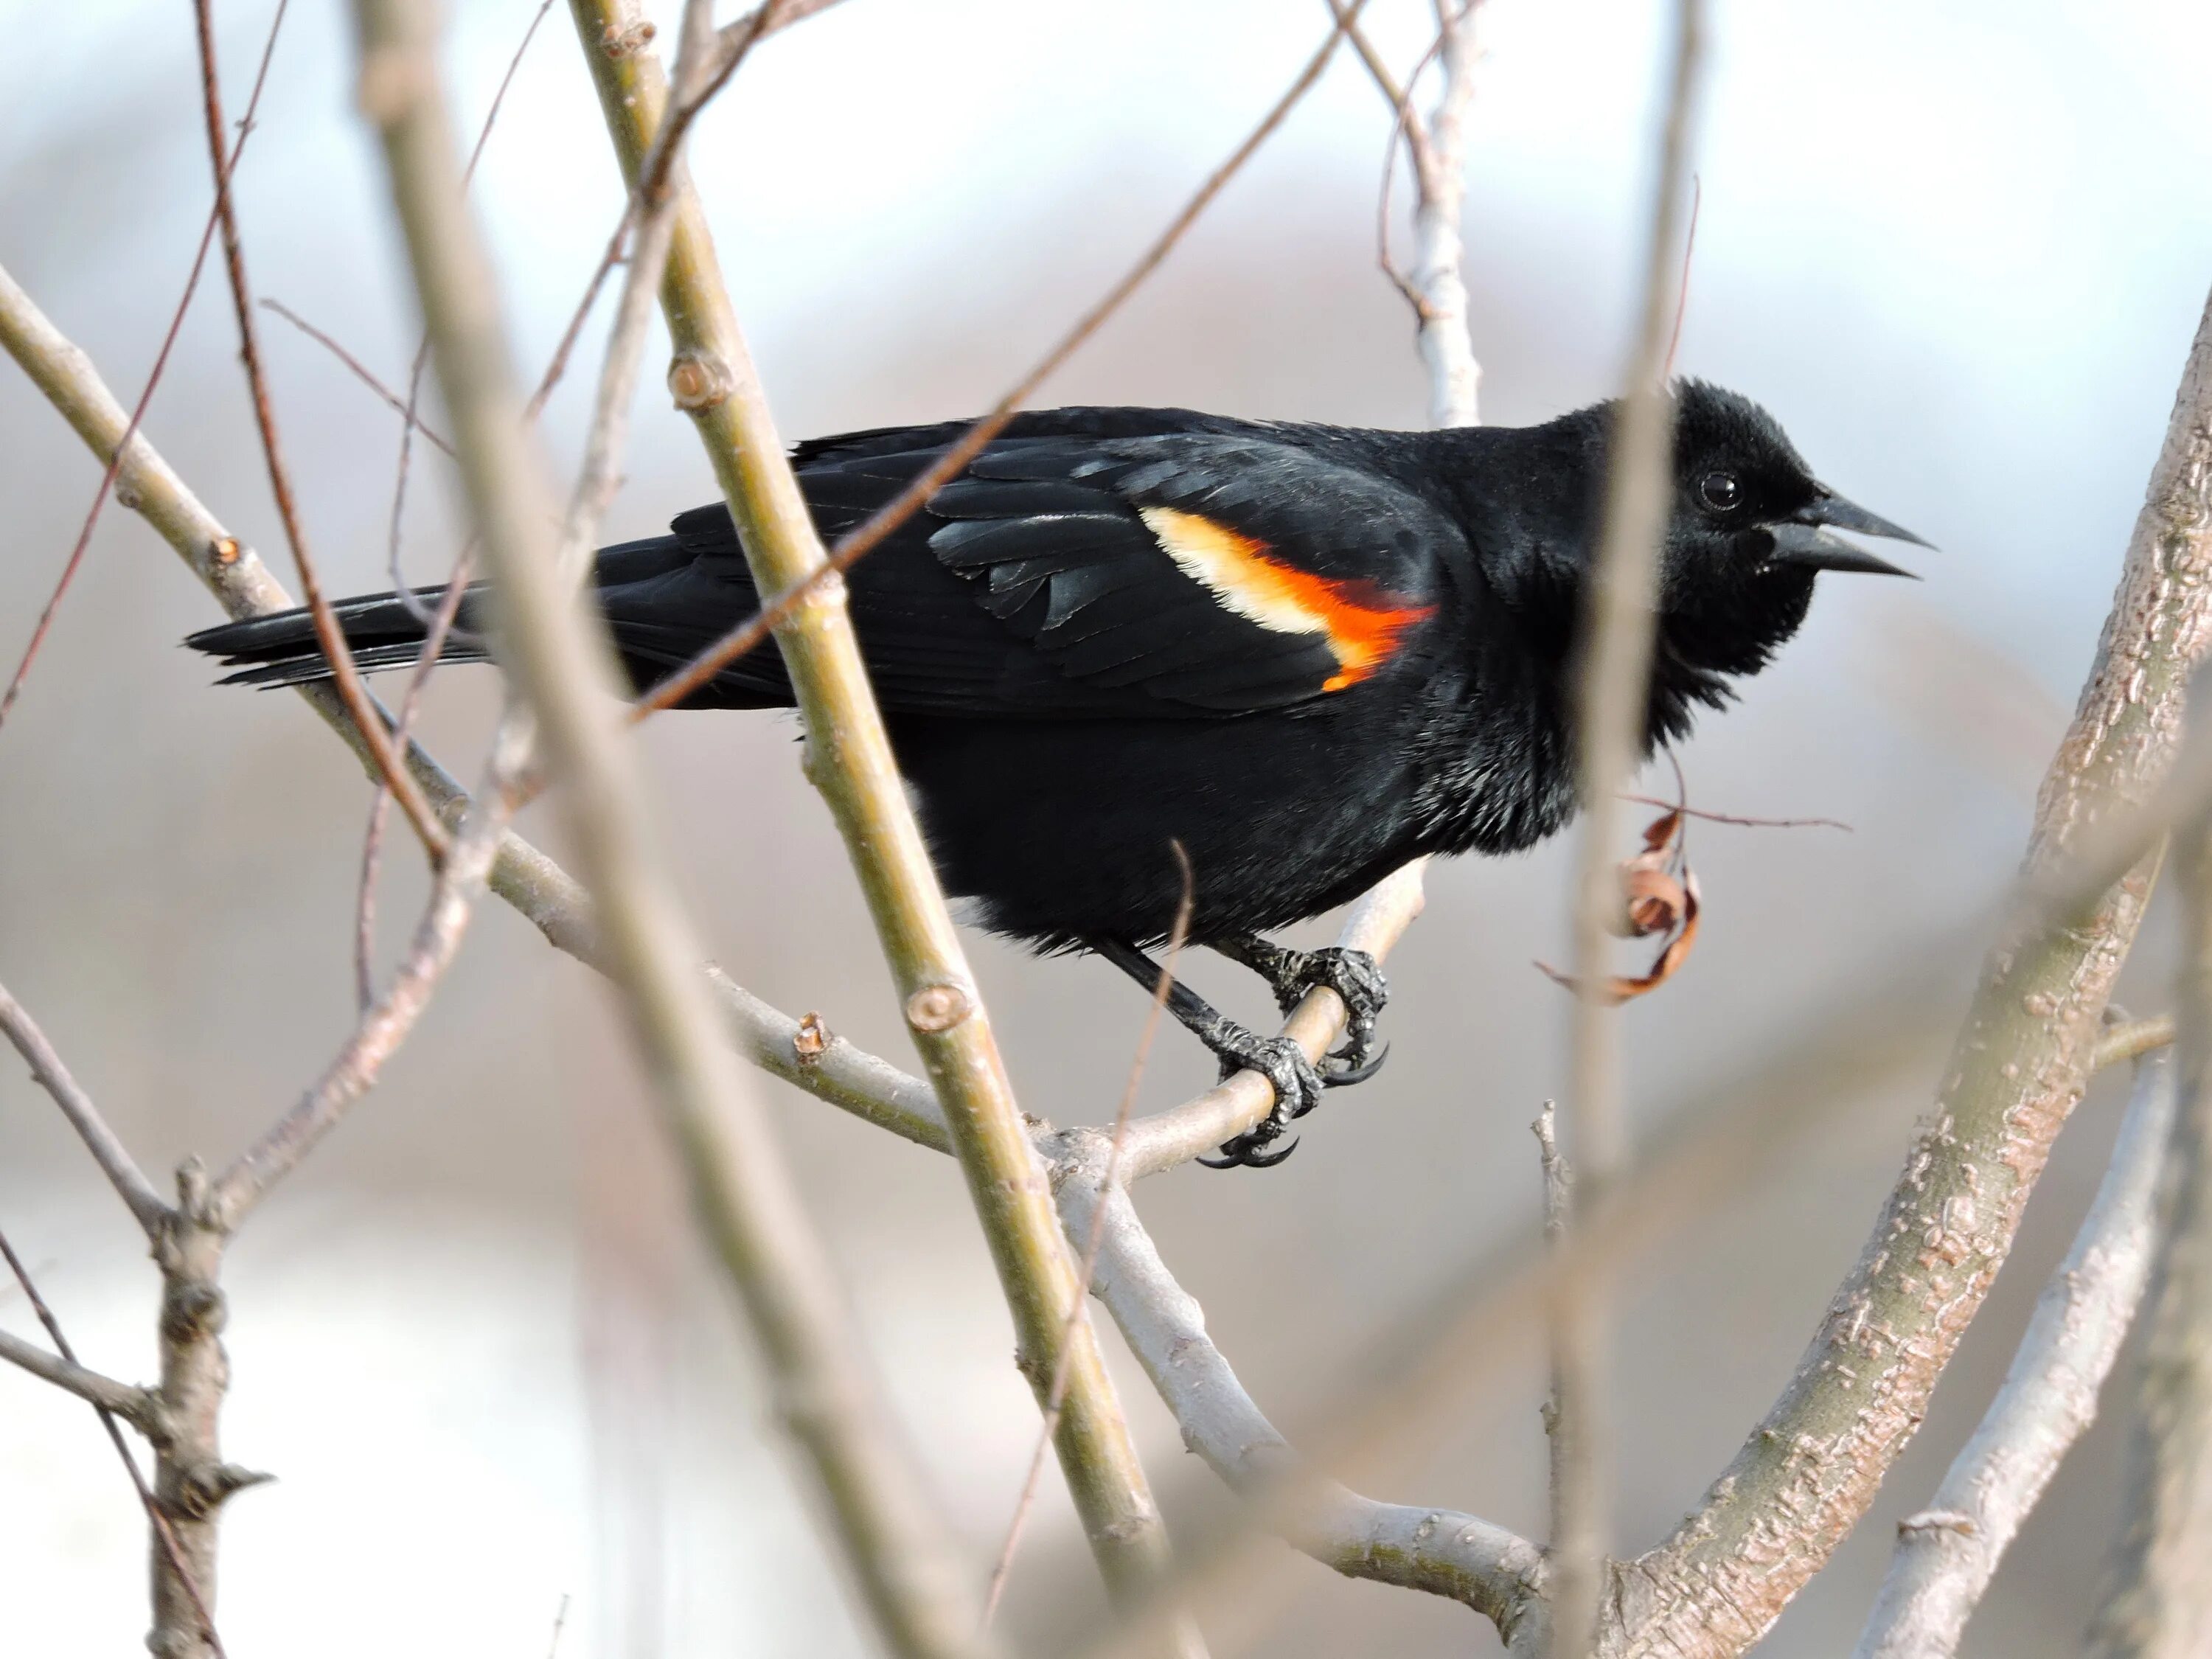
(1958, 247)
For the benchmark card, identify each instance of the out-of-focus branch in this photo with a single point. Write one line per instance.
(741, 35)
(1810, 1469)
(564, 668)
(849, 760)
(105, 1146)
(2131, 1040)
(367, 718)
(1946, 1553)
(2157, 1601)
(1613, 686)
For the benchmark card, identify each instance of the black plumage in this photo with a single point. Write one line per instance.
(1308, 653)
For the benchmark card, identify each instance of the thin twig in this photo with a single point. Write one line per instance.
(1946, 1553)
(106, 1147)
(1736, 819)
(2157, 1600)
(1056, 1396)
(864, 537)
(329, 635)
(136, 1406)
(372, 844)
(360, 370)
(153, 378)
(387, 1025)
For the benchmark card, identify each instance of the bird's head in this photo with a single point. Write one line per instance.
(1749, 528)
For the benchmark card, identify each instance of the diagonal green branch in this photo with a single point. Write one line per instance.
(849, 757)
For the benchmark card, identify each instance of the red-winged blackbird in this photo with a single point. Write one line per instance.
(1307, 653)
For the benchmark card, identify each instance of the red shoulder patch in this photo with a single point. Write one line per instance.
(1359, 621)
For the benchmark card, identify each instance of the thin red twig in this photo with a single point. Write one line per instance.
(360, 370)
(866, 536)
(1056, 1395)
(163, 1532)
(366, 718)
(1745, 822)
(153, 379)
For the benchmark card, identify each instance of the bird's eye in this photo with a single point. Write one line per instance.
(1720, 491)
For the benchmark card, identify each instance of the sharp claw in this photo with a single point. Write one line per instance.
(1349, 1072)
(1237, 1155)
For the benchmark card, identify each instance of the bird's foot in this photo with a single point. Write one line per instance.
(1356, 978)
(1297, 1082)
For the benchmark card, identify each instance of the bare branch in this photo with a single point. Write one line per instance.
(145, 1412)
(1176, 1136)
(536, 885)
(135, 1406)
(564, 669)
(106, 1148)
(367, 718)
(1947, 1551)
(2157, 1601)
(360, 372)
(115, 453)
(1436, 1550)
(386, 1026)
(2130, 1040)
(1810, 1469)
(1612, 690)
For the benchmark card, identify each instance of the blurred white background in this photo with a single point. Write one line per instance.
(1957, 248)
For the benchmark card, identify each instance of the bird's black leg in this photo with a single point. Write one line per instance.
(1298, 1085)
(1354, 976)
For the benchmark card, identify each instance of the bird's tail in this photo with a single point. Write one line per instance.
(383, 631)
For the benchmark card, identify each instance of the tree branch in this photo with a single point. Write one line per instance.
(345, 678)
(848, 758)
(1810, 1469)
(135, 1406)
(1436, 1550)
(1613, 693)
(564, 665)
(1165, 1139)
(1947, 1554)
(106, 1147)
(2157, 1601)
(553, 901)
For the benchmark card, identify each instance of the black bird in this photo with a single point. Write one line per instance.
(1306, 653)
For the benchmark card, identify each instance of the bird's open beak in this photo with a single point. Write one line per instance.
(1808, 538)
